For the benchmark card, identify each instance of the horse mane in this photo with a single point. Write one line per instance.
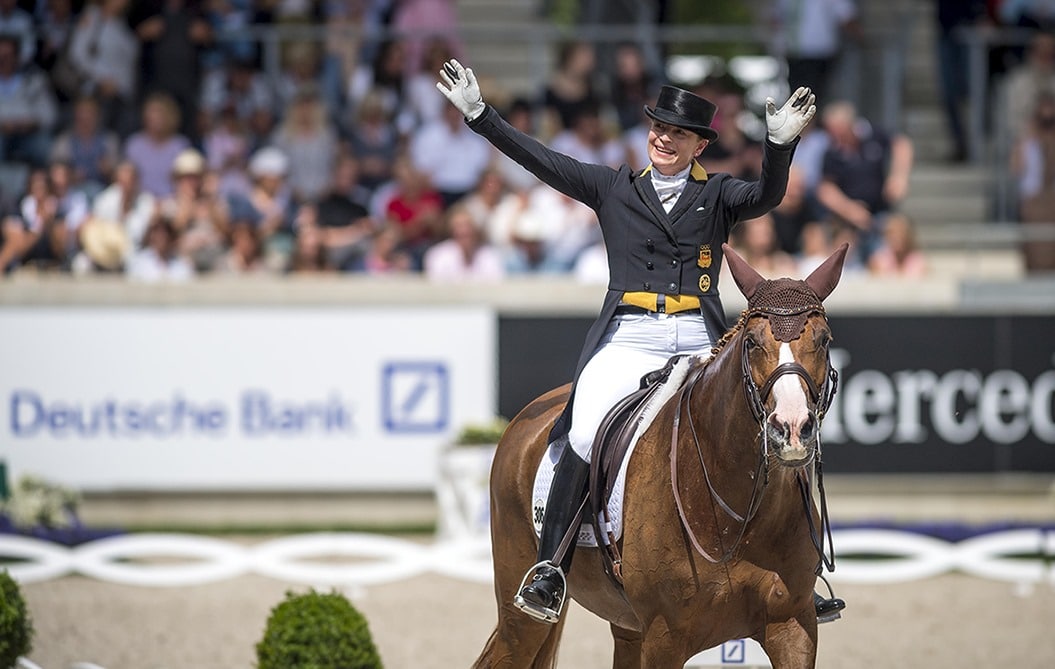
(680, 374)
(729, 334)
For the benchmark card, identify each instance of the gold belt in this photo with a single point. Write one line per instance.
(669, 304)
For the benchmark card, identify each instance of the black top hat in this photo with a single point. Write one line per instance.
(683, 109)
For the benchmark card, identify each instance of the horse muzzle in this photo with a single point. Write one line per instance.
(793, 442)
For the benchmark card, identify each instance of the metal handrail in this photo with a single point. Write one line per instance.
(979, 41)
(889, 44)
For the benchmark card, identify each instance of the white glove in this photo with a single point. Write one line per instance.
(461, 89)
(785, 124)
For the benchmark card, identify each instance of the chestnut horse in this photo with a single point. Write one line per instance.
(722, 545)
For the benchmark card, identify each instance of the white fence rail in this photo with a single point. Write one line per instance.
(353, 559)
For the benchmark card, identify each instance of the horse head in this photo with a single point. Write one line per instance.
(784, 340)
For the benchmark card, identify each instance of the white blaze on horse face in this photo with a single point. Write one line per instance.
(791, 407)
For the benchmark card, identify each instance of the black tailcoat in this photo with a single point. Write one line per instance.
(649, 250)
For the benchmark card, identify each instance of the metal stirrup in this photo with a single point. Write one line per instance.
(542, 613)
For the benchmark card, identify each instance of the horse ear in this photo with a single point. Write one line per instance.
(747, 279)
(825, 278)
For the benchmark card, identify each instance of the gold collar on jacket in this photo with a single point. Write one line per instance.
(697, 173)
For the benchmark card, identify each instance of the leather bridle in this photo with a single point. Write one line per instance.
(820, 397)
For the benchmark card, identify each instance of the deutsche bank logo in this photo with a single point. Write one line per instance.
(415, 397)
(734, 652)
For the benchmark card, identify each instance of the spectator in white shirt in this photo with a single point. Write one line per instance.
(46, 232)
(159, 260)
(126, 203)
(465, 255)
(451, 155)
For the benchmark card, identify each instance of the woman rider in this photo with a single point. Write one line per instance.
(663, 229)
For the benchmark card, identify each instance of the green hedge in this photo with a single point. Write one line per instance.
(16, 627)
(316, 631)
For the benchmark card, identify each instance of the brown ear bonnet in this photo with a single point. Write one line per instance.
(787, 303)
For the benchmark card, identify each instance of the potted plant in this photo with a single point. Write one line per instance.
(316, 631)
(462, 485)
(16, 627)
(34, 503)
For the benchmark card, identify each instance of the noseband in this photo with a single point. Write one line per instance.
(783, 320)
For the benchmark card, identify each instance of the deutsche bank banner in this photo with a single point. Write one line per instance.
(240, 398)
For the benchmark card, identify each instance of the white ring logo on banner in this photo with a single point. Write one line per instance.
(347, 559)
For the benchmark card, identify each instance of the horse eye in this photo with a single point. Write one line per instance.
(824, 340)
(750, 343)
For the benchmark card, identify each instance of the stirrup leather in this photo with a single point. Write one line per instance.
(542, 613)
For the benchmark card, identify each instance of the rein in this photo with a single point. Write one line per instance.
(761, 476)
(821, 397)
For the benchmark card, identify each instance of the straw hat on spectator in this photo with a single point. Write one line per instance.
(268, 162)
(105, 243)
(189, 162)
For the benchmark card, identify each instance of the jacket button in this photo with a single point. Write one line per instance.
(650, 265)
(672, 288)
(650, 245)
(673, 263)
(646, 286)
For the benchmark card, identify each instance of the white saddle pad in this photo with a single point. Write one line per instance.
(544, 474)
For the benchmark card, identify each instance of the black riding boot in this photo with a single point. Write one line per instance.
(827, 609)
(543, 597)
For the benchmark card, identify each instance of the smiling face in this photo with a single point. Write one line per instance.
(671, 149)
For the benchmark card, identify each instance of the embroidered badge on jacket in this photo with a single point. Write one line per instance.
(704, 259)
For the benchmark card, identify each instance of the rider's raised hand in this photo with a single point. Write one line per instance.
(785, 124)
(461, 89)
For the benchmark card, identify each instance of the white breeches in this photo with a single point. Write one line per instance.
(633, 345)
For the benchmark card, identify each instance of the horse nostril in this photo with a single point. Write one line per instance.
(808, 426)
(778, 427)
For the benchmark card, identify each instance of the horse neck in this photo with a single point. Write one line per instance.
(718, 427)
(718, 410)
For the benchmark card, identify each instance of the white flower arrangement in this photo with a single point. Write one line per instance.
(34, 502)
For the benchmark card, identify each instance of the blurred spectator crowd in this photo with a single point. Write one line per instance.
(1024, 73)
(145, 138)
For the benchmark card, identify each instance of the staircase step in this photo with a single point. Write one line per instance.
(930, 179)
(927, 128)
(511, 67)
(926, 209)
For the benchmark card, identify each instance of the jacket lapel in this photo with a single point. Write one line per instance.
(643, 184)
